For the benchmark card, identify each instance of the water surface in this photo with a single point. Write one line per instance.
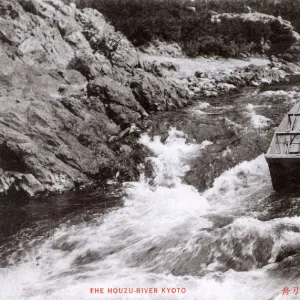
(205, 218)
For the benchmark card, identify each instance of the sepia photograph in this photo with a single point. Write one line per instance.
(149, 149)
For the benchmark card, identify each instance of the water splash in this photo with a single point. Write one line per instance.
(166, 235)
(257, 121)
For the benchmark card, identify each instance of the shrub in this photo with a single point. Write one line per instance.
(144, 21)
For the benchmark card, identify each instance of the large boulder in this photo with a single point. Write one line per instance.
(45, 136)
(119, 100)
(157, 93)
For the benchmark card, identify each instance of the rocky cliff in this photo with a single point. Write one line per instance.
(71, 91)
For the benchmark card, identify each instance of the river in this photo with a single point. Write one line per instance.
(203, 218)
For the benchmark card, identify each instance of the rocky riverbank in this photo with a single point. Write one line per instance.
(71, 87)
(215, 76)
(73, 92)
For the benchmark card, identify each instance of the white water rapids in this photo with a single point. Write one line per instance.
(166, 235)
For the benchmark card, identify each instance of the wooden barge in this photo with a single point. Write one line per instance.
(283, 155)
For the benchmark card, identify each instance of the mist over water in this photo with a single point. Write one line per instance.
(231, 241)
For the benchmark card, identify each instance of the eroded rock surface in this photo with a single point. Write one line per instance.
(73, 91)
(69, 86)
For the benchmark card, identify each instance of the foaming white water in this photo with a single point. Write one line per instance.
(113, 252)
(162, 237)
(170, 160)
(281, 93)
(257, 121)
(277, 235)
(238, 183)
(198, 108)
(168, 202)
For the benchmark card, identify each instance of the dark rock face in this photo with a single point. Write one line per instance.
(69, 86)
(268, 34)
(121, 106)
(155, 95)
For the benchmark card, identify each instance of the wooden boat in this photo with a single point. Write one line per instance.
(283, 155)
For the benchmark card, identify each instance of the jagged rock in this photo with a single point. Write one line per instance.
(154, 94)
(169, 66)
(198, 74)
(153, 67)
(124, 132)
(71, 88)
(112, 139)
(125, 148)
(122, 114)
(109, 91)
(31, 185)
(226, 87)
(211, 93)
(65, 96)
(162, 48)
(120, 103)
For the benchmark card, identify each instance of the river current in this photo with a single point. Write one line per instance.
(230, 237)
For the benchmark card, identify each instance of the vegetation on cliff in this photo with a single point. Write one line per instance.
(144, 21)
(74, 91)
(71, 91)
